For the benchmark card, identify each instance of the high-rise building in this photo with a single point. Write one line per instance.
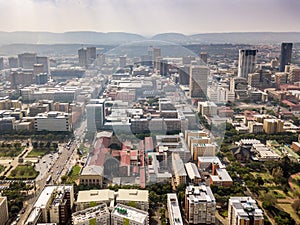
(285, 55)
(95, 115)
(122, 61)
(90, 54)
(46, 63)
(27, 60)
(13, 62)
(244, 210)
(184, 75)
(273, 126)
(3, 210)
(21, 77)
(247, 62)
(1, 63)
(200, 205)
(203, 56)
(198, 82)
(82, 57)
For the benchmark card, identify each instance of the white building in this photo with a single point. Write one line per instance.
(3, 210)
(97, 197)
(53, 121)
(139, 197)
(174, 210)
(200, 205)
(123, 214)
(244, 210)
(98, 215)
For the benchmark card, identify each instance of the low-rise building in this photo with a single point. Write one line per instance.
(140, 198)
(91, 175)
(123, 214)
(89, 198)
(53, 121)
(98, 215)
(193, 173)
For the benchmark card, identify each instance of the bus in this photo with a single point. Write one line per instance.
(48, 179)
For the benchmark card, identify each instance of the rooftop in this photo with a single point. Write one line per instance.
(130, 213)
(133, 195)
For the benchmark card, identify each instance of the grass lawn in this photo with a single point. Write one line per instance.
(36, 152)
(2, 168)
(10, 151)
(288, 208)
(73, 175)
(23, 172)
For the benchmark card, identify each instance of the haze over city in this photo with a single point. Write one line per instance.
(150, 17)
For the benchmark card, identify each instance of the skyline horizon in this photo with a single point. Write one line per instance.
(151, 17)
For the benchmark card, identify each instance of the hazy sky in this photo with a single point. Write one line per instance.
(150, 16)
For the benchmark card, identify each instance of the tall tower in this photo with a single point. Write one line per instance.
(247, 62)
(82, 57)
(198, 81)
(285, 55)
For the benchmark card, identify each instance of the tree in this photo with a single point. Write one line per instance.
(296, 205)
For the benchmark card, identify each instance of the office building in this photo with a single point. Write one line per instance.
(82, 57)
(244, 210)
(174, 209)
(207, 108)
(44, 60)
(285, 55)
(95, 115)
(203, 57)
(13, 62)
(3, 210)
(91, 175)
(198, 82)
(122, 60)
(123, 214)
(90, 54)
(200, 205)
(21, 78)
(139, 197)
(247, 62)
(98, 215)
(53, 121)
(27, 60)
(1, 63)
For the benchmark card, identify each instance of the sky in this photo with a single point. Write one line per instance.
(149, 17)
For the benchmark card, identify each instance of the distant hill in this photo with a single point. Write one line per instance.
(85, 38)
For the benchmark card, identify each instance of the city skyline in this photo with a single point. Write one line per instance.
(150, 17)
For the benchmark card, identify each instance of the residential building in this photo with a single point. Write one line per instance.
(273, 126)
(174, 209)
(140, 198)
(53, 204)
(98, 215)
(193, 173)
(179, 170)
(200, 205)
(123, 214)
(95, 197)
(3, 210)
(244, 210)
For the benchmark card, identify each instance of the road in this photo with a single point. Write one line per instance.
(66, 159)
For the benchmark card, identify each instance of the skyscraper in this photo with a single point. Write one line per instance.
(247, 62)
(285, 55)
(198, 81)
